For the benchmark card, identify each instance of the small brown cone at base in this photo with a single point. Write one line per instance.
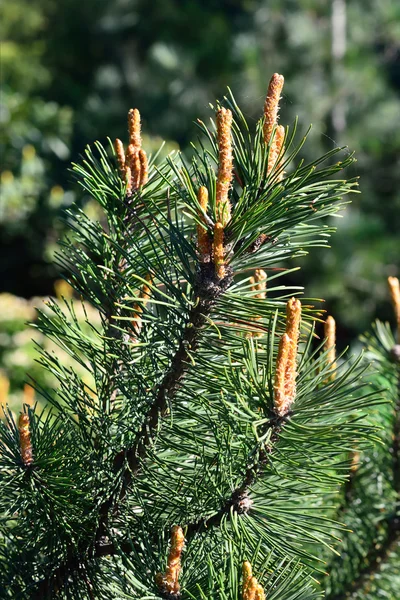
(203, 239)
(330, 342)
(168, 582)
(134, 127)
(25, 439)
(271, 105)
(219, 250)
(225, 165)
(394, 287)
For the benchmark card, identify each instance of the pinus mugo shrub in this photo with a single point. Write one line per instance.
(211, 449)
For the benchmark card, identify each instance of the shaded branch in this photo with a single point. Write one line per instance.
(239, 500)
(377, 556)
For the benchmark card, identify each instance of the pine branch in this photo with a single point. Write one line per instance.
(239, 500)
(376, 559)
(208, 290)
(74, 562)
(234, 419)
(379, 552)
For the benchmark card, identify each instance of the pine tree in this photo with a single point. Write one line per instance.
(203, 458)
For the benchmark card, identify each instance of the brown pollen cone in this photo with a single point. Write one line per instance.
(120, 152)
(225, 165)
(330, 341)
(219, 250)
(134, 128)
(271, 105)
(293, 318)
(128, 179)
(251, 589)
(394, 287)
(260, 279)
(281, 401)
(144, 168)
(25, 439)
(133, 162)
(247, 572)
(259, 287)
(203, 239)
(260, 594)
(168, 581)
(138, 307)
(275, 149)
(279, 149)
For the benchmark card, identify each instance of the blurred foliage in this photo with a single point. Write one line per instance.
(71, 69)
(18, 346)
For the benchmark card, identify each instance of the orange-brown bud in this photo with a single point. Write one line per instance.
(260, 284)
(260, 594)
(271, 105)
(330, 341)
(281, 401)
(120, 153)
(134, 128)
(219, 250)
(133, 162)
(138, 307)
(293, 318)
(275, 151)
(225, 165)
(128, 179)
(251, 589)
(25, 439)
(203, 238)
(144, 167)
(168, 582)
(394, 287)
(247, 572)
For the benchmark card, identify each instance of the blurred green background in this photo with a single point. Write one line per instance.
(72, 68)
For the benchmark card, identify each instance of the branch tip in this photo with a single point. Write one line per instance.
(168, 582)
(25, 439)
(225, 164)
(134, 127)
